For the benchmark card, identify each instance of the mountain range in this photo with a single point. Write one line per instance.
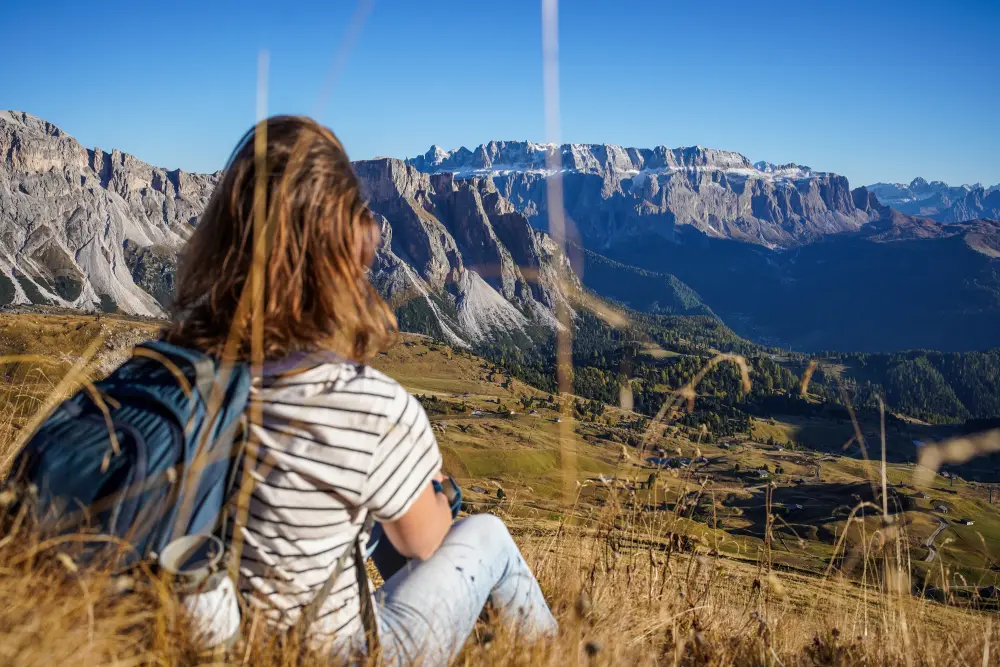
(92, 230)
(615, 194)
(783, 254)
(940, 201)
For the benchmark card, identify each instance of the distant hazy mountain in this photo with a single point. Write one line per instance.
(940, 201)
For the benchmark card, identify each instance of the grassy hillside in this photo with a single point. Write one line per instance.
(542, 448)
(708, 563)
(642, 290)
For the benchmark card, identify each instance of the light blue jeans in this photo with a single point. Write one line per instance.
(428, 609)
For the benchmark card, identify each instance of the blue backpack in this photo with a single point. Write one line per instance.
(147, 459)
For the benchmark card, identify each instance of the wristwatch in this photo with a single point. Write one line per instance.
(451, 491)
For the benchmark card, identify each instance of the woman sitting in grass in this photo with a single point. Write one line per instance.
(338, 442)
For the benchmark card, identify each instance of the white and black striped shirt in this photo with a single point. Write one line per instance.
(338, 442)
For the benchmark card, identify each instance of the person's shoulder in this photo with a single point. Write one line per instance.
(377, 388)
(405, 405)
(347, 391)
(334, 375)
(363, 377)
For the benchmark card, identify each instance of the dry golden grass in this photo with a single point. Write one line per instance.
(618, 600)
(624, 592)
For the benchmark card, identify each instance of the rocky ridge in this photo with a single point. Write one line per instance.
(85, 228)
(614, 194)
(478, 264)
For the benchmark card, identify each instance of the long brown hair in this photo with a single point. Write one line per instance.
(320, 241)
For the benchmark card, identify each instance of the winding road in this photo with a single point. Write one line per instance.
(929, 542)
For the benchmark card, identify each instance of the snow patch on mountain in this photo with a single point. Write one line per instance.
(790, 171)
(505, 158)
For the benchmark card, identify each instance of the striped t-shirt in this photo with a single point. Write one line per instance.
(338, 442)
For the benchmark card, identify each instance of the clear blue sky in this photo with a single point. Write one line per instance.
(873, 90)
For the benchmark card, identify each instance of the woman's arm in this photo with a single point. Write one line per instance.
(399, 491)
(419, 532)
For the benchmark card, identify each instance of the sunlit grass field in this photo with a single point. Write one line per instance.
(711, 564)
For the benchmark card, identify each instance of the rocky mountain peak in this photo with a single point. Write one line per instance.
(68, 214)
(389, 179)
(474, 261)
(29, 122)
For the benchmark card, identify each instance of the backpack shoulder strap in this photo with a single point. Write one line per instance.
(368, 620)
(204, 365)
